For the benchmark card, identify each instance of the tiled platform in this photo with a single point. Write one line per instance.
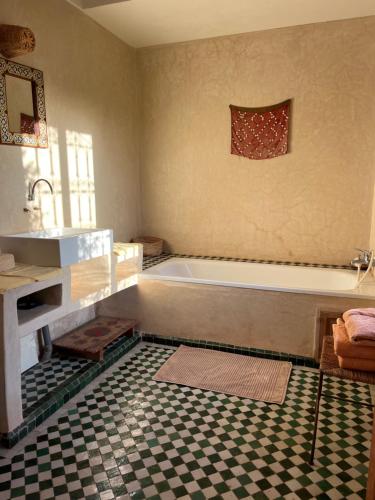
(47, 386)
(43, 378)
(130, 437)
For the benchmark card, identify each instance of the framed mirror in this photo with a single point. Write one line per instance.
(22, 106)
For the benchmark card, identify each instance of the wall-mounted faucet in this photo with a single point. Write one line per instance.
(31, 196)
(363, 258)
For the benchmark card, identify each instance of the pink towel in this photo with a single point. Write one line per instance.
(361, 328)
(364, 365)
(346, 349)
(366, 311)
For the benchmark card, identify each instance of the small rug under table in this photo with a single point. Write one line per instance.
(255, 378)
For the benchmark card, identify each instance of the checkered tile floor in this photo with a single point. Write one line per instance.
(133, 438)
(42, 378)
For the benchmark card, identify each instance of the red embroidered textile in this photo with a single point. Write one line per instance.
(260, 133)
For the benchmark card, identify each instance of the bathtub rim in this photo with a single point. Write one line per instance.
(365, 291)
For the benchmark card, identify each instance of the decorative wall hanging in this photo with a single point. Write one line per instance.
(22, 106)
(260, 133)
(15, 40)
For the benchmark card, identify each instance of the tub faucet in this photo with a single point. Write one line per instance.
(363, 258)
(31, 196)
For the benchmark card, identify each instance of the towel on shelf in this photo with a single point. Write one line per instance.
(360, 328)
(346, 349)
(364, 365)
(365, 311)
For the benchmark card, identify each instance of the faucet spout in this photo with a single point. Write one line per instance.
(363, 258)
(31, 195)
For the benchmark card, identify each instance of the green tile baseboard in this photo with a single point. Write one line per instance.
(246, 351)
(54, 400)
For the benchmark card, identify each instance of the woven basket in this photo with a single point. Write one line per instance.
(15, 40)
(151, 246)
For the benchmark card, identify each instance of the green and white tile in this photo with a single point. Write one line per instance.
(43, 378)
(130, 437)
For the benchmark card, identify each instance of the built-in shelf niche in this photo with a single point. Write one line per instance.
(91, 277)
(50, 298)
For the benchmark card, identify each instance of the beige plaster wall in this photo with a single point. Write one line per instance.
(91, 99)
(313, 204)
(92, 159)
(239, 316)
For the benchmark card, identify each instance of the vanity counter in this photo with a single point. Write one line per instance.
(57, 292)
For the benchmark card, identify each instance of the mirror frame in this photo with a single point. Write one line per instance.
(35, 77)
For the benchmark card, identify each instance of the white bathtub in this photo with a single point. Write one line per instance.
(285, 278)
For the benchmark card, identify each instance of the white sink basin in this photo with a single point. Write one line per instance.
(58, 247)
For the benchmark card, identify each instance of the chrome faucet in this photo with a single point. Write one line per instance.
(31, 196)
(363, 258)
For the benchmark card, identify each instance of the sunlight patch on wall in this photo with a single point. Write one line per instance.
(81, 179)
(47, 209)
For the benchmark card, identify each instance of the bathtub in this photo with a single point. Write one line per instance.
(277, 277)
(282, 308)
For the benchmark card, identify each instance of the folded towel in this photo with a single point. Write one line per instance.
(364, 365)
(365, 311)
(361, 328)
(120, 248)
(346, 349)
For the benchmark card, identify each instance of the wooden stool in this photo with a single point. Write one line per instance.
(329, 366)
(90, 340)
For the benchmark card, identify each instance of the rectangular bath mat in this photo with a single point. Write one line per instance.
(255, 378)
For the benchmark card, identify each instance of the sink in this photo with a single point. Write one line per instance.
(58, 247)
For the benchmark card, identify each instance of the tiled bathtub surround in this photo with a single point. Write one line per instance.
(132, 437)
(152, 261)
(285, 322)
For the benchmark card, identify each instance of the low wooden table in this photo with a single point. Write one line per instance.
(90, 340)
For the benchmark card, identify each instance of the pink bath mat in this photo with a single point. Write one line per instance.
(244, 376)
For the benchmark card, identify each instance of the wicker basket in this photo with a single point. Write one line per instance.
(15, 40)
(151, 246)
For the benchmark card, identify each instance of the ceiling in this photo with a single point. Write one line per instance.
(143, 23)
